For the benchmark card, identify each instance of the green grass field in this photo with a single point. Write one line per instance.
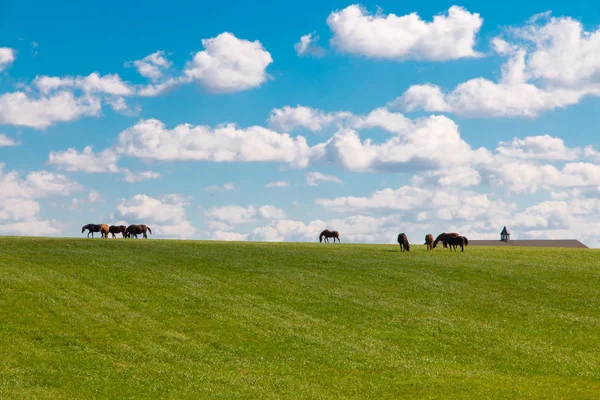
(83, 319)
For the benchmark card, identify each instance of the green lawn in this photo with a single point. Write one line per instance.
(83, 319)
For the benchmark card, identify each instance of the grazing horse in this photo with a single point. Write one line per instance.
(329, 234)
(466, 242)
(117, 229)
(429, 241)
(91, 229)
(137, 230)
(403, 242)
(443, 237)
(454, 241)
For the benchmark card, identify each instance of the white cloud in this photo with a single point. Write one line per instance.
(288, 230)
(165, 216)
(93, 83)
(132, 177)
(307, 46)
(543, 147)
(316, 178)
(19, 210)
(6, 141)
(150, 139)
(7, 57)
(86, 161)
(278, 184)
(552, 65)
(447, 37)
(229, 64)
(225, 187)
(289, 118)
(20, 109)
(152, 66)
(229, 236)
(237, 215)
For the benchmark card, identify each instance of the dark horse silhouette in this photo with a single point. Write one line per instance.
(454, 241)
(102, 228)
(403, 242)
(443, 237)
(137, 230)
(429, 241)
(329, 234)
(117, 229)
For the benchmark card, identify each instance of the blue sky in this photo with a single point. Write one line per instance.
(383, 120)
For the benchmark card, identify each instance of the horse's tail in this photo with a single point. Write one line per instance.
(466, 241)
(149, 230)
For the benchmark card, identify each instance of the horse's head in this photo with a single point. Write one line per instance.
(83, 228)
(407, 246)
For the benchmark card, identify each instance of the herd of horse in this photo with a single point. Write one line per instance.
(126, 231)
(450, 240)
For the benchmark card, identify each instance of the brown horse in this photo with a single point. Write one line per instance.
(92, 228)
(429, 241)
(329, 234)
(104, 231)
(403, 242)
(137, 230)
(454, 241)
(117, 229)
(443, 237)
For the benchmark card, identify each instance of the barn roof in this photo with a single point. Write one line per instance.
(504, 231)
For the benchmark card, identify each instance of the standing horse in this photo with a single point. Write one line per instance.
(137, 230)
(117, 229)
(443, 237)
(454, 241)
(104, 229)
(329, 234)
(429, 241)
(403, 242)
(91, 229)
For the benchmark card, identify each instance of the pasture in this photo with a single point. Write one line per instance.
(85, 319)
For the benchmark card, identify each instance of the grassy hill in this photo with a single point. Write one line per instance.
(83, 319)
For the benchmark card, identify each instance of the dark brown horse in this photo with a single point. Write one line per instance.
(329, 234)
(91, 229)
(454, 241)
(429, 241)
(443, 237)
(137, 230)
(403, 242)
(116, 229)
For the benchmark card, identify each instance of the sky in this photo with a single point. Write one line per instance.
(267, 121)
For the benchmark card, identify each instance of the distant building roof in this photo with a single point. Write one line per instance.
(504, 231)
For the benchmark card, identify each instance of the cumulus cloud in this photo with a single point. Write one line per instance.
(447, 37)
(289, 118)
(552, 64)
(307, 46)
(229, 236)
(21, 109)
(543, 147)
(229, 64)
(19, 208)
(237, 215)
(93, 83)
(226, 187)
(317, 178)
(132, 177)
(84, 161)
(7, 57)
(166, 216)
(150, 139)
(277, 184)
(152, 66)
(6, 141)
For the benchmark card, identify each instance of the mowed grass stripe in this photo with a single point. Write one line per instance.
(185, 319)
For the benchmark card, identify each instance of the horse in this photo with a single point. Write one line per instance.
(454, 241)
(466, 242)
(137, 230)
(117, 229)
(104, 229)
(329, 234)
(443, 237)
(403, 242)
(429, 241)
(91, 229)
